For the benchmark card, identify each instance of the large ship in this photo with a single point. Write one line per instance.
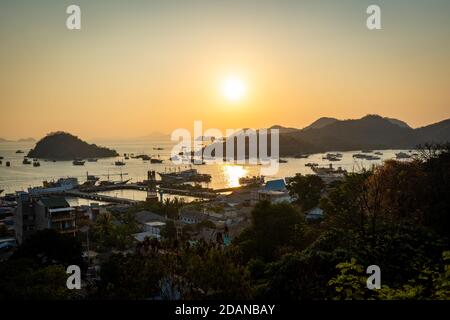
(189, 175)
(329, 173)
(61, 185)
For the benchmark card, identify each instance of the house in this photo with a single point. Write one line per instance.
(39, 212)
(274, 191)
(55, 213)
(192, 217)
(151, 225)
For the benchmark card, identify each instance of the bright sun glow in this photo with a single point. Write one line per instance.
(233, 173)
(233, 88)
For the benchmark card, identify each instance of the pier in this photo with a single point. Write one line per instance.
(99, 197)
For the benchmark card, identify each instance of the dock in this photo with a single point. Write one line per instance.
(99, 197)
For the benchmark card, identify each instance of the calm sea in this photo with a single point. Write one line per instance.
(20, 177)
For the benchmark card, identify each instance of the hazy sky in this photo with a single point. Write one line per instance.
(138, 67)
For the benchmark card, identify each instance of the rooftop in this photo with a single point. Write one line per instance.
(275, 185)
(55, 202)
(147, 216)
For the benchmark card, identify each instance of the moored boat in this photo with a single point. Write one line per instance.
(78, 162)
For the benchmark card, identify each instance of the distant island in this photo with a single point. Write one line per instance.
(64, 146)
(370, 132)
(20, 140)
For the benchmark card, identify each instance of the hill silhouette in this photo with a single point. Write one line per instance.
(64, 146)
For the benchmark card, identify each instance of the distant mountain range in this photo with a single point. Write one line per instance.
(20, 140)
(369, 132)
(64, 146)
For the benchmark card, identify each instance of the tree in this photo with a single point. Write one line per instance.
(49, 247)
(130, 276)
(274, 226)
(24, 279)
(169, 231)
(307, 189)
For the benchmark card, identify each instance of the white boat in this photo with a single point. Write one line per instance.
(63, 184)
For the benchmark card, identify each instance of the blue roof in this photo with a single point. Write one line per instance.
(275, 185)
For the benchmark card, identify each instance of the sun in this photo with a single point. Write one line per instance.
(233, 88)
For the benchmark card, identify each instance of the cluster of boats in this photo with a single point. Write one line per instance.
(367, 156)
(35, 162)
(250, 181)
(181, 176)
(332, 157)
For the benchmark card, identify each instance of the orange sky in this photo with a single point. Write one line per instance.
(142, 68)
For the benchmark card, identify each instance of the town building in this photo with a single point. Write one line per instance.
(274, 191)
(38, 213)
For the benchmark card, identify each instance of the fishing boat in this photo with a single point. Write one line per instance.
(78, 162)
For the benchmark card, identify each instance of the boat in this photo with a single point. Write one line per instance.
(402, 155)
(26, 161)
(1, 158)
(92, 160)
(112, 183)
(143, 157)
(378, 153)
(154, 160)
(63, 184)
(189, 175)
(255, 180)
(36, 164)
(366, 151)
(19, 151)
(282, 161)
(332, 157)
(119, 163)
(301, 156)
(8, 164)
(127, 158)
(311, 164)
(159, 148)
(329, 173)
(366, 156)
(78, 162)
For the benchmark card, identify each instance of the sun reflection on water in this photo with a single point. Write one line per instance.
(232, 174)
